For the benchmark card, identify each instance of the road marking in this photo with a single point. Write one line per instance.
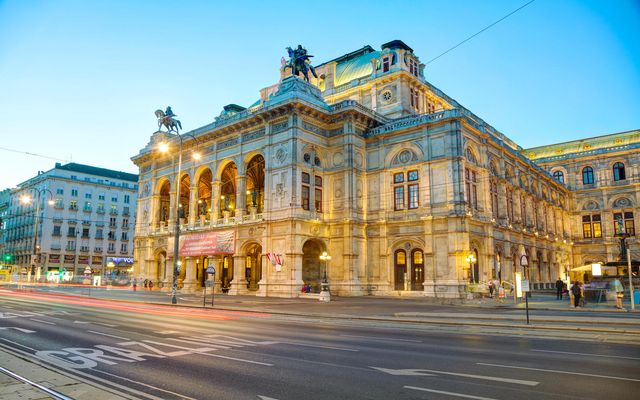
(18, 329)
(109, 325)
(318, 346)
(466, 396)
(561, 372)
(18, 344)
(266, 398)
(166, 332)
(106, 334)
(44, 322)
(430, 372)
(81, 322)
(587, 354)
(235, 359)
(145, 384)
(383, 338)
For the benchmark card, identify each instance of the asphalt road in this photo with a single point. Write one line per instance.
(163, 352)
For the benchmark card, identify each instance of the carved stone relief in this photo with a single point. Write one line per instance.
(338, 159)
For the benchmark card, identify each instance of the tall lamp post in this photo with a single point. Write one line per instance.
(26, 199)
(164, 147)
(325, 295)
(471, 259)
(622, 234)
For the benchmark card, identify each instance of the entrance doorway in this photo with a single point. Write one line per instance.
(311, 264)
(253, 268)
(226, 276)
(417, 270)
(400, 269)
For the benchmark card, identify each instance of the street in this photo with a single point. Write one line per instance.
(163, 352)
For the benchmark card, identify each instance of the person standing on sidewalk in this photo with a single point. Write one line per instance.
(576, 291)
(619, 290)
(559, 286)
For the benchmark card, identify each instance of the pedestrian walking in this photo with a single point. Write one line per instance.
(146, 283)
(150, 285)
(135, 284)
(619, 290)
(491, 289)
(559, 287)
(576, 291)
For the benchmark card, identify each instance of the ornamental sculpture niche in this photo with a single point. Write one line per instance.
(621, 203)
(404, 157)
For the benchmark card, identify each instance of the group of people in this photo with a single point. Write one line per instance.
(495, 289)
(148, 284)
(577, 295)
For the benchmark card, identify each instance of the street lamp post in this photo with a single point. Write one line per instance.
(27, 200)
(622, 234)
(471, 259)
(325, 295)
(176, 244)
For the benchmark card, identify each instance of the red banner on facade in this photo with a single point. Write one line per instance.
(204, 244)
(54, 258)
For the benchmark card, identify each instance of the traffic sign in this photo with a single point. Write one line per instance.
(525, 285)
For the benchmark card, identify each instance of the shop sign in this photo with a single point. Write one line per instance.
(96, 260)
(54, 258)
(206, 243)
(69, 258)
(83, 259)
(119, 261)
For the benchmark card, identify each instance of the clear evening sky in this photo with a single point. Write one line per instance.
(80, 80)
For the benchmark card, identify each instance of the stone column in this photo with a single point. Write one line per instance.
(172, 209)
(241, 195)
(189, 283)
(193, 204)
(168, 275)
(239, 283)
(215, 200)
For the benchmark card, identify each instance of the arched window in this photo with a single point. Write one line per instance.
(618, 172)
(587, 175)
(558, 176)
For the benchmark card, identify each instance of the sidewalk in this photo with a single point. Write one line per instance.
(63, 383)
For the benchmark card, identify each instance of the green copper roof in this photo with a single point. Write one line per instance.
(354, 68)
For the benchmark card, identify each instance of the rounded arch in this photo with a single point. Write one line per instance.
(185, 195)
(255, 178)
(589, 204)
(164, 201)
(619, 202)
(587, 175)
(160, 186)
(204, 192)
(313, 269)
(405, 153)
(494, 166)
(619, 171)
(471, 154)
(228, 189)
(559, 174)
(253, 264)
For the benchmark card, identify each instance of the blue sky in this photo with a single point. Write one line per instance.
(80, 80)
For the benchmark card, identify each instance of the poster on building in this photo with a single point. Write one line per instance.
(202, 244)
(54, 258)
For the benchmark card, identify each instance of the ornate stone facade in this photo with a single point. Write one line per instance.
(369, 162)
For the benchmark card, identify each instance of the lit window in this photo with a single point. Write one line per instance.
(627, 220)
(471, 189)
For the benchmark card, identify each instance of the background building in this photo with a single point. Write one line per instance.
(70, 217)
(603, 175)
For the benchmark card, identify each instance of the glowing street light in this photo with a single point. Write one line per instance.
(471, 259)
(325, 295)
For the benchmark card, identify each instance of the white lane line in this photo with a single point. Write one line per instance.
(81, 322)
(429, 372)
(586, 354)
(383, 338)
(109, 325)
(18, 344)
(112, 336)
(41, 321)
(466, 396)
(266, 398)
(561, 372)
(166, 332)
(233, 358)
(144, 384)
(318, 346)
